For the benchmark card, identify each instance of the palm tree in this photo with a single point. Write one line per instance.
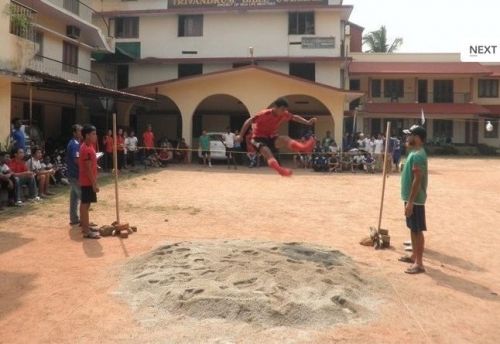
(377, 42)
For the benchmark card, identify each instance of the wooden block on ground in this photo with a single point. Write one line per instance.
(383, 231)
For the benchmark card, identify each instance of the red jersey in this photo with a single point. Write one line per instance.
(120, 143)
(149, 139)
(18, 166)
(266, 123)
(87, 153)
(108, 144)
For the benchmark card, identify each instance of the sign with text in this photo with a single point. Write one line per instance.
(482, 51)
(241, 3)
(318, 42)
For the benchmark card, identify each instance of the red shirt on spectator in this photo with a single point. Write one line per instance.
(18, 166)
(120, 143)
(266, 123)
(108, 144)
(86, 153)
(149, 139)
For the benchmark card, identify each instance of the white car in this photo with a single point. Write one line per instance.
(217, 148)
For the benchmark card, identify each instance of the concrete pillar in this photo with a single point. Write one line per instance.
(5, 110)
(336, 108)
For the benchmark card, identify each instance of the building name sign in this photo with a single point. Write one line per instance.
(241, 3)
(318, 42)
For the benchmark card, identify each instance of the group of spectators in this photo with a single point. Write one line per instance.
(35, 173)
(358, 153)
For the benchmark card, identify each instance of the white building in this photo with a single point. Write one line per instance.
(161, 41)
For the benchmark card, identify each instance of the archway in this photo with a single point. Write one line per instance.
(163, 115)
(307, 107)
(218, 112)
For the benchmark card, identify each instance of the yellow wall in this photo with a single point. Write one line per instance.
(5, 104)
(255, 88)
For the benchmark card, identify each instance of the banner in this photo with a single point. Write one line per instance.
(241, 3)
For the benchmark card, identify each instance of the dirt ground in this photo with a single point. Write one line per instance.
(56, 288)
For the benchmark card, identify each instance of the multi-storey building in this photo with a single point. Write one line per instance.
(456, 98)
(45, 64)
(210, 64)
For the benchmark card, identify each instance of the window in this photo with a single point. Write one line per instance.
(376, 88)
(301, 23)
(72, 5)
(354, 85)
(394, 89)
(191, 26)
(488, 88)
(38, 39)
(303, 70)
(70, 58)
(122, 76)
(491, 134)
(127, 27)
(443, 91)
(191, 69)
(443, 129)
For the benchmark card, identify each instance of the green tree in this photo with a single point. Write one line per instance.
(377, 42)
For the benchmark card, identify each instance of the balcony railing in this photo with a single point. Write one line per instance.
(21, 20)
(76, 7)
(428, 97)
(63, 70)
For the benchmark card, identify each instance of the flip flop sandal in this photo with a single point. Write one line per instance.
(415, 270)
(408, 249)
(91, 235)
(407, 243)
(405, 259)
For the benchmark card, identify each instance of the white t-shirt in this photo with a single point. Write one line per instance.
(379, 146)
(5, 169)
(34, 165)
(131, 143)
(229, 140)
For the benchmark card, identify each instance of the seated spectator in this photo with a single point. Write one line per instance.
(334, 163)
(182, 154)
(369, 163)
(357, 162)
(166, 155)
(7, 181)
(42, 175)
(23, 177)
(152, 160)
(328, 140)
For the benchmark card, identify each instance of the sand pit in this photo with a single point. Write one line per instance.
(261, 283)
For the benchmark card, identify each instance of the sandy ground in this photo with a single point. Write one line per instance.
(56, 288)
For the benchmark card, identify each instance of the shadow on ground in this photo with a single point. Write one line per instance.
(10, 241)
(13, 286)
(462, 285)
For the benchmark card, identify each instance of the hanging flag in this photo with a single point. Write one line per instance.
(423, 116)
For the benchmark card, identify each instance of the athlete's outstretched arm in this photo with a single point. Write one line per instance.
(300, 119)
(244, 129)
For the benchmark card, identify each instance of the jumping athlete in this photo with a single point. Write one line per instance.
(265, 136)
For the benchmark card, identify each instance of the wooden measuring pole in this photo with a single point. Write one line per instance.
(387, 141)
(115, 168)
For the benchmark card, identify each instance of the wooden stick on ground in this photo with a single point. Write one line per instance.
(115, 168)
(387, 139)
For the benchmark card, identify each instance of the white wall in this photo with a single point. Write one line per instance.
(231, 34)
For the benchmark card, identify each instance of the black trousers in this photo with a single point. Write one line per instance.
(11, 192)
(131, 158)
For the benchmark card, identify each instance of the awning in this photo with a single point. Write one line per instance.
(418, 68)
(64, 85)
(120, 56)
(429, 109)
